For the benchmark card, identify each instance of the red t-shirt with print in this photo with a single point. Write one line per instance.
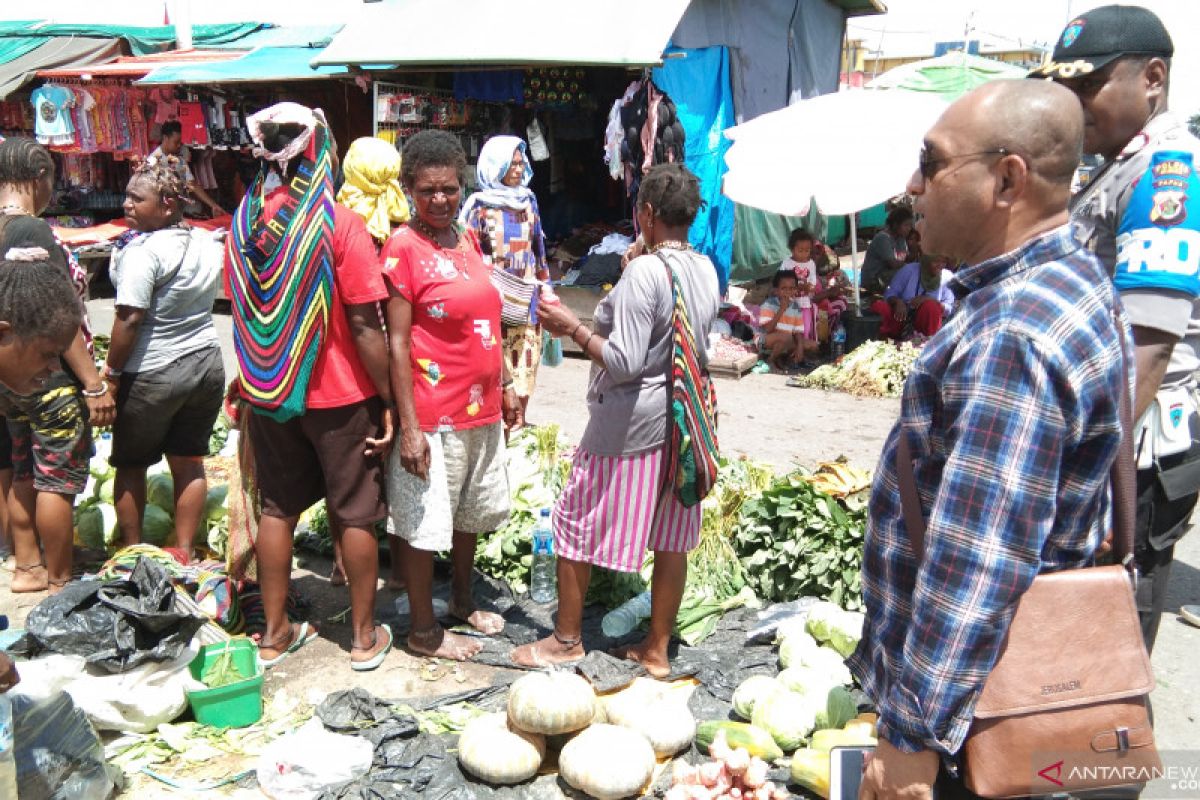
(455, 340)
(339, 378)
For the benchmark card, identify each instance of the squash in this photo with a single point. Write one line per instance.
(551, 702)
(754, 740)
(657, 711)
(810, 769)
(490, 749)
(607, 762)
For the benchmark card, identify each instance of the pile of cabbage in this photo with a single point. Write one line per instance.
(96, 518)
(811, 692)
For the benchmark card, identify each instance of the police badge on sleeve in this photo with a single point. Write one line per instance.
(1158, 238)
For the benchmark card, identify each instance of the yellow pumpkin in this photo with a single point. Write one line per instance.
(607, 762)
(657, 711)
(551, 702)
(489, 749)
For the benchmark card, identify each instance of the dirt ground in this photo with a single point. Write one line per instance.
(760, 418)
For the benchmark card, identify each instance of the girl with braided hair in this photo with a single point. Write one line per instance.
(164, 359)
(615, 505)
(40, 315)
(50, 429)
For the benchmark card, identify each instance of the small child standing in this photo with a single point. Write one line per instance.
(800, 242)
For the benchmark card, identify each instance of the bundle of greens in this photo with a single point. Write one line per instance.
(795, 541)
(873, 369)
(222, 671)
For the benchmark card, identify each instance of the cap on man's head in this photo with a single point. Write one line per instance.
(1104, 34)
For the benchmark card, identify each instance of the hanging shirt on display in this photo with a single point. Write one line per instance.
(195, 124)
(53, 120)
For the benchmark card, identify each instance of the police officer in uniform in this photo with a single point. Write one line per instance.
(1141, 215)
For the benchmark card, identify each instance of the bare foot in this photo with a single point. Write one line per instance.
(54, 587)
(440, 643)
(31, 578)
(381, 641)
(337, 577)
(548, 652)
(655, 661)
(488, 623)
(396, 585)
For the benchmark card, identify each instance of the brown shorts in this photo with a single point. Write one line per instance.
(320, 455)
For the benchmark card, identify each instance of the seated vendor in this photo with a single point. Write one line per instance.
(917, 300)
(172, 145)
(787, 327)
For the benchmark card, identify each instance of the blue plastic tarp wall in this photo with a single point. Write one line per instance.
(698, 82)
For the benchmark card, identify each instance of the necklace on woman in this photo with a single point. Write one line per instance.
(13, 208)
(673, 244)
(430, 233)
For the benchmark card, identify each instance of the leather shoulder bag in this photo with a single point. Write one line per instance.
(1064, 709)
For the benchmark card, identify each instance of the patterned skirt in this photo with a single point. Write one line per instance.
(614, 508)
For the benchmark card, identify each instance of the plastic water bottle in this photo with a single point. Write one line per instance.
(837, 348)
(625, 617)
(541, 574)
(8, 761)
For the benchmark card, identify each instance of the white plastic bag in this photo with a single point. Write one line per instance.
(139, 700)
(302, 765)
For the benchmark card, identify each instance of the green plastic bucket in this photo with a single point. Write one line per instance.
(237, 704)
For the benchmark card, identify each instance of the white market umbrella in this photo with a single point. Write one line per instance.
(845, 151)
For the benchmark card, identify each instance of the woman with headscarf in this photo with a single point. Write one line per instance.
(503, 213)
(372, 190)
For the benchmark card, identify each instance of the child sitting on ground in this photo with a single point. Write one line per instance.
(783, 325)
(832, 292)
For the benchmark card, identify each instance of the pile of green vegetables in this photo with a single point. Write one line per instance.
(873, 369)
(96, 518)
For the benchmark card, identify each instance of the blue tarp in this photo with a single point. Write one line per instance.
(263, 64)
(698, 82)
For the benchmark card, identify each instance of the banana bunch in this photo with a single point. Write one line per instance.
(839, 479)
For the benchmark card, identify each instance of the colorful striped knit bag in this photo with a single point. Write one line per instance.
(281, 284)
(692, 459)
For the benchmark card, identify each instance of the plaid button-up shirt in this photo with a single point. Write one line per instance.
(1011, 414)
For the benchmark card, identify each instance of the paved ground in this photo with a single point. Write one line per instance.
(763, 419)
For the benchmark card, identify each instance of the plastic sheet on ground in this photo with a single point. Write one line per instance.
(410, 763)
(58, 755)
(114, 625)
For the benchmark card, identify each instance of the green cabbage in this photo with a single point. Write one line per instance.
(839, 629)
(753, 689)
(840, 707)
(157, 526)
(810, 682)
(160, 492)
(793, 647)
(104, 491)
(216, 505)
(829, 662)
(89, 526)
(787, 716)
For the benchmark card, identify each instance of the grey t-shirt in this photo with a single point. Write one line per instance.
(1103, 210)
(877, 269)
(627, 397)
(166, 274)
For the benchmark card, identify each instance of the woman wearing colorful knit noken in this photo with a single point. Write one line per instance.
(615, 505)
(504, 215)
(304, 283)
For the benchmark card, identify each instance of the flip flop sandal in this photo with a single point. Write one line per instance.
(303, 637)
(377, 659)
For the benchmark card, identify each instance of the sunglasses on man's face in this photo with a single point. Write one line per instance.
(930, 166)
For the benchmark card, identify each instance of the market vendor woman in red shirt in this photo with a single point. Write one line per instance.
(446, 480)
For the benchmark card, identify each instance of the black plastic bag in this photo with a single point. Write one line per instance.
(115, 625)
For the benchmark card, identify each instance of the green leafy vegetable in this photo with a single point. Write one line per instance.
(873, 369)
(222, 671)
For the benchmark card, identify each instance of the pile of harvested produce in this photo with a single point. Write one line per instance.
(733, 774)
(873, 369)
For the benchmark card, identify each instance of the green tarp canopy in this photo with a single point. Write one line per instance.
(950, 76)
(264, 64)
(142, 40)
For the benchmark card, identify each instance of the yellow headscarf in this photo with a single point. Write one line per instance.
(372, 188)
